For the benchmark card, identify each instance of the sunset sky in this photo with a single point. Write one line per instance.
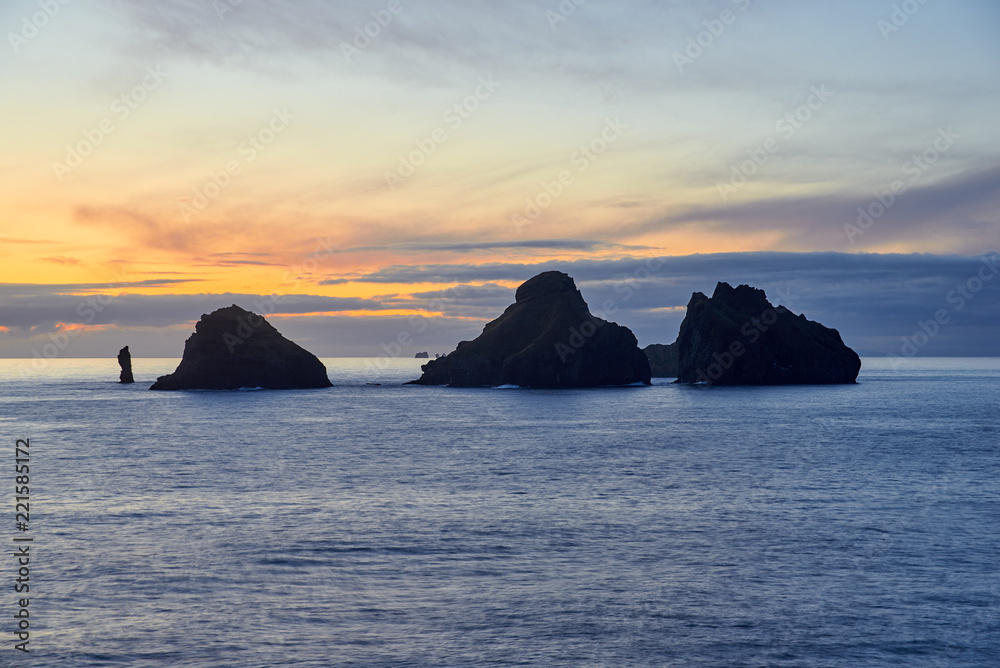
(161, 160)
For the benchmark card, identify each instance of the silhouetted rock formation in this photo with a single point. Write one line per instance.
(738, 338)
(547, 338)
(125, 362)
(662, 359)
(233, 348)
(422, 356)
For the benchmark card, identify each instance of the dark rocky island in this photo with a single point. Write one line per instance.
(422, 356)
(233, 348)
(737, 337)
(547, 339)
(125, 362)
(662, 359)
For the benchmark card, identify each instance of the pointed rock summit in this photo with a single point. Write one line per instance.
(737, 337)
(547, 338)
(233, 348)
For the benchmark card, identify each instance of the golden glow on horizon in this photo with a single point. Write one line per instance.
(75, 328)
(370, 313)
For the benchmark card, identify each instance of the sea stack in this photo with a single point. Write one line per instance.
(125, 362)
(737, 337)
(233, 348)
(662, 359)
(547, 339)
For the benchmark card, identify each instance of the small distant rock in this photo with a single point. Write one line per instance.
(233, 348)
(422, 356)
(125, 362)
(547, 338)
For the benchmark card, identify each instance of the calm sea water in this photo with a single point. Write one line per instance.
(392, 525)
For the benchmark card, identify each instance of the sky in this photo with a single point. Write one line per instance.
(365, 173)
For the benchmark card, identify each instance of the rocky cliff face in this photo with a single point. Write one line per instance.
(662, 359)
(737, 337)
(547, 338)
(233, 348)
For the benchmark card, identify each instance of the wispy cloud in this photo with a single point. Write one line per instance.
(964, 208)
(40, 307)
(479, 246)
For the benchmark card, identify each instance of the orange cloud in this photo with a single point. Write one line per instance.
(79, 328)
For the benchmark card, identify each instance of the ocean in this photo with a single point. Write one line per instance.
(392, 525)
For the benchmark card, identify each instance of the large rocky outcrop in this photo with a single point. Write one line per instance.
(233, 348)
(547, 338)
(662, 359)
(125, 362)
(737, 337)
